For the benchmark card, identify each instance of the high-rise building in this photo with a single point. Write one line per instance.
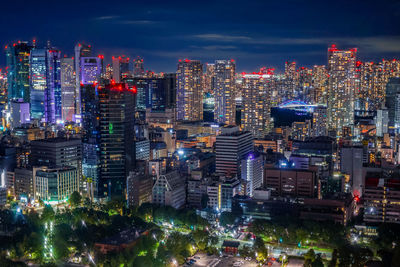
(81, 50)
(18, 71)
(351, 163)
(157, 94)
(392, 103)
(91, 137)
(3, 89)
(67, 89)
(117, 151)
(53, 108)
(252, 172)
(341, 87)
(189, 93)
(45, 84)
(320, 121)
(230, 148)
(319, 84)
(256, 104)
(382, 122)
(224, 92)
(138, 68)
(120, 68)
(208, 79)
(38, 82)
(91, 70)
(20, 113)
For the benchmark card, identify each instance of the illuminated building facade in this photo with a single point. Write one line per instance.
(81, 50)
(341, 87)
(319, 83)
(38, 82)
(230, 147)
(224, 92)
(256, 107)
(91, 70)
(252, 172)
(189, 98)
(67, 88)
(18, 71)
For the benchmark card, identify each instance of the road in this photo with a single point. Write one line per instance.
(214, 261)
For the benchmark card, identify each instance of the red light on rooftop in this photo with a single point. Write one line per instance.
(357, 198)
(113, 57)
(134, 89)
(119, 58)
(79, 45)
(180, 60)
(358, 63)
(187, 60)
(5, 47)
(14, 44)
(101, 56)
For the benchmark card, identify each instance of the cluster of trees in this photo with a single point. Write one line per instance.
(293, 231)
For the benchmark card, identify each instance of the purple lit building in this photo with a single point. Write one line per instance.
(252, 173)
(91, 69)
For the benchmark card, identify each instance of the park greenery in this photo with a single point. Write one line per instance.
(52, 235)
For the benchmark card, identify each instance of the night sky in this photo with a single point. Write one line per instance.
(254, 33)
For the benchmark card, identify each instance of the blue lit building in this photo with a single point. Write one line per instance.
(38, 82)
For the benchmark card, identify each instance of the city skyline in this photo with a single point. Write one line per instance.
(255, 35)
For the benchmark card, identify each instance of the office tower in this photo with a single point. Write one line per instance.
(169, 190)
(341, 87)
(81, 50)
(189, 93)
(45, 84)
(382, 122)
(320, 121)
(139, 188)
(91, 137)
(117, 152)
(57, 184)
(120, 66)
(3, 88)
(392, 103)
(57, 152)
(67, 88)
(351, 163)
(91, 70)
(38, 82)
(252, 172)
(20, 113)
(319, 84)
(53, 108)
(157, 94)
(304, 90)
(18, 71)
(138, 68)
(23, 185)
(230, 148)
(224, 92)
(256, 104)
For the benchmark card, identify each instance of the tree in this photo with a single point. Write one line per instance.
(309, 258)
(262, 251)
(201, 239)
(227, 218)
(47, 214)
(75, 199)
(396, 257)
(318, 261)
(333, 261)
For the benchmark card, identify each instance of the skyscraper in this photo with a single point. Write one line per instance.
(224, 92)
(38, 82)
(252, 172)
(117, 153)
(320, 121)
(53, 97)
(67, 89)
(138, 68)
(189, 99)
(121, 68)
(341, 87)
(392, 103)
(18, 70)
(91, 70)
(81, 50)
(256, 101)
